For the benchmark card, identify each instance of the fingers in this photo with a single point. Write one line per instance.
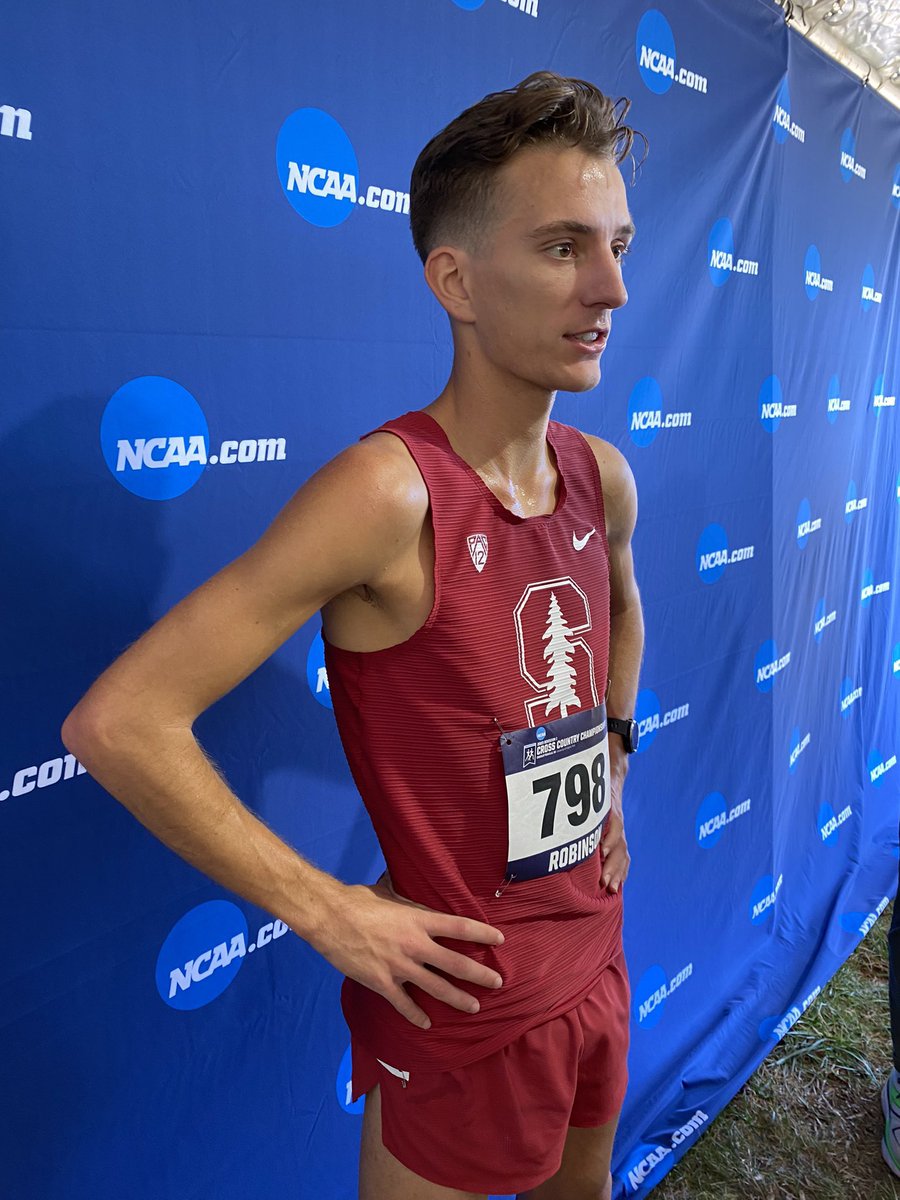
(615, 866)
(407, 1007)
(443, 990)
(461, 967)
(464, 929)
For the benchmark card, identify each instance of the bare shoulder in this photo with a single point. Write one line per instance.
(373, 487)
(619, 491)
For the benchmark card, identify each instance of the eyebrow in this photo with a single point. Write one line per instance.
(558, 227)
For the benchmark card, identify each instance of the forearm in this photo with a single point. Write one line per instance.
(164, 779)
(626, 647)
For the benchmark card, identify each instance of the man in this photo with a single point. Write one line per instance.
(479, 605)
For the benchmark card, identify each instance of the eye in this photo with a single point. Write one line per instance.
(620, 250)
(567, 250)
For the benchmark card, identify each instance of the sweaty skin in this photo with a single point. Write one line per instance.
(355, 542)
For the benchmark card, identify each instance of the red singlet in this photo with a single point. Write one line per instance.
(419, 725)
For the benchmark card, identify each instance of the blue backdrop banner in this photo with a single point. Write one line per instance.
(208, 289)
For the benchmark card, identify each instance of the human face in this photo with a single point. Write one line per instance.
(550, 267)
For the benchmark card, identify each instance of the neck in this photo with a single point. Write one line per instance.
(498, 424)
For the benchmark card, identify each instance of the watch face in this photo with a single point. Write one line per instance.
(634, 736)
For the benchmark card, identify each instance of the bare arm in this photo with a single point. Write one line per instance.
(346, 527)
(626, 639)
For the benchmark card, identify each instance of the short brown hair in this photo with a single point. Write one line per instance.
(452, 182)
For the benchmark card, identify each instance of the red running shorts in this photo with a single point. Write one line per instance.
(499, 1125)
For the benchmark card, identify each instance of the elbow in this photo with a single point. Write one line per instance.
(86, 731)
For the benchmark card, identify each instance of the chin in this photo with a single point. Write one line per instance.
(580, 381)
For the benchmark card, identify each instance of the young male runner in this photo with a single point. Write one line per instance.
(479, 606)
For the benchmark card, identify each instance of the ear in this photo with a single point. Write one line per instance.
(447, 274)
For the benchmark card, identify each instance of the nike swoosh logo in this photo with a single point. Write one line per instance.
(580, 543)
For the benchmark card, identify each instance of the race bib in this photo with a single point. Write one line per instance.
(557, 788)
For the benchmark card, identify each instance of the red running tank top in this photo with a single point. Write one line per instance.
(419, 725)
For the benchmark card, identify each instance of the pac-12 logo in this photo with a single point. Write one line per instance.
(555, 659)
(478, 550)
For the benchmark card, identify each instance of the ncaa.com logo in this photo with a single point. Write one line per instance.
(645, 413)
(869, 293)
(653, 989)
(316, 673)
(850, 693)
(528, 8)
(772, 408)
(813, 279)
(861, 923)
(43, 775)
(713, 554)
(763, 897)
(878, 765)
(319, 172)
(806, 523)
(714, 816)
(782, 125)
(650, 718)
(721, 258)
(799, 743)
(895, 188)
(881, 398)
(768, 664)
(822, 618)
(343, 1086)
(869, 588)
(642, 1168)
(834, 404)
(654, 48)
(204, 951)
(777, 1027)
(15, 122)
(155, 439)
(853, 503)
(850, 168)
(829, 823)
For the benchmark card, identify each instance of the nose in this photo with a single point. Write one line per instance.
(604, 286)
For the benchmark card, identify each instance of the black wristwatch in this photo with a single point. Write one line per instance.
(627, 731)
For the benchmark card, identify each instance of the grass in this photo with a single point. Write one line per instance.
(807, 1125)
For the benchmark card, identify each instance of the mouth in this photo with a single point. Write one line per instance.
(591, 339)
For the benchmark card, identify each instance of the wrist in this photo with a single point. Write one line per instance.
(323, 898)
